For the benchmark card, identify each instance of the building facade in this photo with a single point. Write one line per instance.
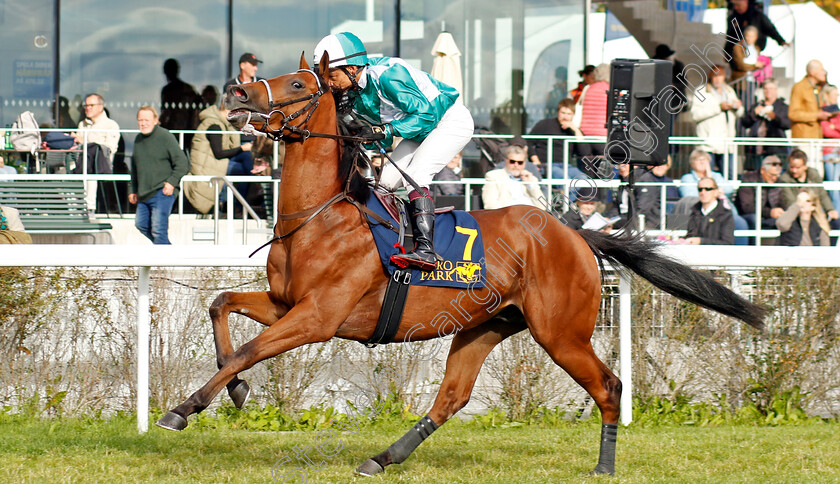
(518, 57)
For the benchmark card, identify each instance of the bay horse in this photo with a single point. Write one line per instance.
(326, 280)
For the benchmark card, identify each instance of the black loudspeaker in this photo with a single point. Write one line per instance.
(640, 106)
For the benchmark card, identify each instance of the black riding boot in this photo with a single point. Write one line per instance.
(423, 256)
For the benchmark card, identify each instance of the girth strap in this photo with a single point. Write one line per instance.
(393, 305)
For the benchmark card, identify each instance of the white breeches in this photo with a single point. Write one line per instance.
(422, 161)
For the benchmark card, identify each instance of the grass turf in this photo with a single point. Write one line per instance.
(96, 451)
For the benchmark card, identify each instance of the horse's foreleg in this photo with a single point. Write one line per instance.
(466, 355)
(299, 327)
(255, 305)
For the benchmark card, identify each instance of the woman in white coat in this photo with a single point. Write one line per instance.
(716, 109)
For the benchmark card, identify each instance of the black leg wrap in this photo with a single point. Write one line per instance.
(606, 459)
(401, 449)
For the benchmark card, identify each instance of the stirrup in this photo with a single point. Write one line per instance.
(403, 260)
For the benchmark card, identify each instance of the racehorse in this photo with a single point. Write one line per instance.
(326, 279)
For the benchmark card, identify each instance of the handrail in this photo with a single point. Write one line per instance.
(247, 210)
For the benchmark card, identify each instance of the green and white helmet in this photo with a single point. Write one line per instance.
(344, 49)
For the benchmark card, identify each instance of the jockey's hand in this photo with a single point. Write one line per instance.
(372, 133)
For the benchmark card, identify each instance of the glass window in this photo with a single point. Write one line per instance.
(27, 49)
(516, 57)
(117, 48)
(256, 29)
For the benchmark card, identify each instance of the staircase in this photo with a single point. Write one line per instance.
(652, 24)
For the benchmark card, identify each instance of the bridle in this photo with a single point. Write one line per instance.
(291, 133)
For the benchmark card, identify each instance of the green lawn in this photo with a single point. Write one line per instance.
(94, 451)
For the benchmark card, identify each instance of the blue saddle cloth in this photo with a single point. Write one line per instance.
(457, 240)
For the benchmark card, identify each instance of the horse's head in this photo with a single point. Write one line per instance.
(281, 106)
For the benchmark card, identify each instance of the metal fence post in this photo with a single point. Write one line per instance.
(143, 334)
(625, 348)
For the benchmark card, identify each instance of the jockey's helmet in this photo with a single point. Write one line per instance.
(344, 49)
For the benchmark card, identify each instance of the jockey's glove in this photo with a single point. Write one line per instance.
(372, 133)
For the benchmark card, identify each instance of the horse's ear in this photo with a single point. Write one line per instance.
(303, 63)
(324, 66)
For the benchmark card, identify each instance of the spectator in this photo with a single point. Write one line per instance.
(215, 154)
(649, 198)
(561, 125)
(805, 113)
(450, 172)
(575, 218)
(587, 77)
(103, 137)
(512, 185)
(771, 197)
(248, 65)
(559, 90)
(209, 96)
(6, 170)
(746, 13)
(156, 170)
(745, 58)
(804, 223)
(798, 172)
(716, 108)
(11, 228)
(700, 163)
(768, 119)
(831, 130)
(593, 106)
(179, 103)
(710, 222)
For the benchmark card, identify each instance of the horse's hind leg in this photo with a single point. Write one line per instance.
(568, 343)
(466, 355)
(255, 305)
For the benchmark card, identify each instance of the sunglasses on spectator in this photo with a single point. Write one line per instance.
(775, 163)
(91, 105)
(517, 162)
(706, 189)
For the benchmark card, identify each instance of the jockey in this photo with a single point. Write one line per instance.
(401, 100)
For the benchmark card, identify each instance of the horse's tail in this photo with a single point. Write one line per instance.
(642, 257)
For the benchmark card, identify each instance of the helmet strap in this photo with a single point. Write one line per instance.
(354, 85)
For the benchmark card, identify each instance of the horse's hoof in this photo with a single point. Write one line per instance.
(369, 468)
(601, 470)
(172, 421)
(240, 394)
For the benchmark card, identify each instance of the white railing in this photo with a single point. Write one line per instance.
(732, 145)
(735, 260)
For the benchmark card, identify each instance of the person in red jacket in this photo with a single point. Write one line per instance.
(831, 130)
(593, 118)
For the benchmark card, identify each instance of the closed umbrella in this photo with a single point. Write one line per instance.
(446, 67)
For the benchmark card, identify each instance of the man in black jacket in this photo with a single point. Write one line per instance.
(771, 197)
(747, 12)
(767, 119)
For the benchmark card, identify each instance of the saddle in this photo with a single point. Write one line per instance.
(396, 208)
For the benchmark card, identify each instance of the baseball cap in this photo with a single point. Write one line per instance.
(249, 58)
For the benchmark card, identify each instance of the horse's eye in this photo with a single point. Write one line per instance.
(297, 85)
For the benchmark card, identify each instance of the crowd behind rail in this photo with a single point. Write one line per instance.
(759, 168)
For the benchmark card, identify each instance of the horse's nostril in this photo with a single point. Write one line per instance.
(240, 93)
